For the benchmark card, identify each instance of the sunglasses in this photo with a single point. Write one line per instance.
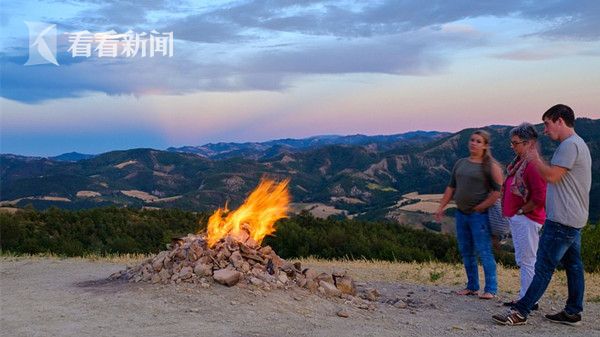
(513, 143)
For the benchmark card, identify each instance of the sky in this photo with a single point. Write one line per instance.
(259, 70)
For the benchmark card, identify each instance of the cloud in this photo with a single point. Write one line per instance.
(576, 20)
(200, 28)
(134, 76)
(276, 68)
(267, 45)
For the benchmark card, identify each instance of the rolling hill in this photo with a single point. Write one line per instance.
(362, 179)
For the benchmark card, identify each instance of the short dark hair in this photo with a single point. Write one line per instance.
(525, 131)
(561, 111)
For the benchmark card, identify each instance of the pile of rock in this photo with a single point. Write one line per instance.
(240, 261)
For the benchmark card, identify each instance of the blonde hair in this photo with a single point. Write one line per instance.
(488, 159)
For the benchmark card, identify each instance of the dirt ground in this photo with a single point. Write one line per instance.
(72, 297)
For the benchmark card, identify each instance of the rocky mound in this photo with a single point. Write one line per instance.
(241, 261)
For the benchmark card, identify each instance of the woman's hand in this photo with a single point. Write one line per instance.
(439, 213)
(479, 209)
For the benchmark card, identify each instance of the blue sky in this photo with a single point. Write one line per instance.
(258, 70)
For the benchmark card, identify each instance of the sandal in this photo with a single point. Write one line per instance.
(466, 292)
(487, 296)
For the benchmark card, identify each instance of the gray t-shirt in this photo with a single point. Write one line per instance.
(568, 200)
(472, 185)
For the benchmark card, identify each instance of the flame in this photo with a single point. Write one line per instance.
(256, 216)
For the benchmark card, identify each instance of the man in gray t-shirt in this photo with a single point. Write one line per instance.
(568, 199)
(569, 177)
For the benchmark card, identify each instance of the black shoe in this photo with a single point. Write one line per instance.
(512, 304)
(564, 318)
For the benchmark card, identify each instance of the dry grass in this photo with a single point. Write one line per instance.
(127, 259)
(453, 275)
(429, 273)
(87, 194)
(145, 196)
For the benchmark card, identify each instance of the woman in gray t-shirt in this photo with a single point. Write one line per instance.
(475, 185)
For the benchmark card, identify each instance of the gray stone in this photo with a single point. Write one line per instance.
(165, 275)
(311, 285)
(325, 277)
(203, 269)
(236, 259)
(155, 278)
(255, 281)
(310, 274)
(346, 285)
(343, 313)
(185, 273)
(227, 277)
(400, 304)
(372, 294)
(283, 278)
(338, 273)
(330, 289)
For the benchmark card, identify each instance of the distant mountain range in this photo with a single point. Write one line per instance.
(269, 149)
(258, 150)
(72, 156)
(362, 176)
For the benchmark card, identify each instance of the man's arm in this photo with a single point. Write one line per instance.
(550, 173)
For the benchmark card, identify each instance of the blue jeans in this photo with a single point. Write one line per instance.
(473, 235)
(558, 243)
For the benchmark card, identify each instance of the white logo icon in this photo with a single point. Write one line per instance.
(42, 43)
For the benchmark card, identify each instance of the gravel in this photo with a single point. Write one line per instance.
(72, 297)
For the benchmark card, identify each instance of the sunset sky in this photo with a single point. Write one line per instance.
(260, 70)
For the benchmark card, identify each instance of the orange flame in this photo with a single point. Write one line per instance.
(256, 217)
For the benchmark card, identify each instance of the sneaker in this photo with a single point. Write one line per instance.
(512, 304)
(564, 318)
(512, 317)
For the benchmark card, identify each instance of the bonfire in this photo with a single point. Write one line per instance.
(230, 252)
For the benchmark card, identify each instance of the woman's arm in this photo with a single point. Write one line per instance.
(495, 194)
(448, 193)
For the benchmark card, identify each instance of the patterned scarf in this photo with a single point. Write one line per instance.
(516, 168)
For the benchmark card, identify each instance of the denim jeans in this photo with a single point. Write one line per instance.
(474, 237)
(558, 243)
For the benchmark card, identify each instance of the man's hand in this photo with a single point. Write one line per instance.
(550, 173)
(533, 155)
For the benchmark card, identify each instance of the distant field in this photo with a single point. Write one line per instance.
(318, 210)
(9, 209)
(426, 203)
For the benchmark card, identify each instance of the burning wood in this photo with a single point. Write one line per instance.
(230, 253)
(255, 218)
